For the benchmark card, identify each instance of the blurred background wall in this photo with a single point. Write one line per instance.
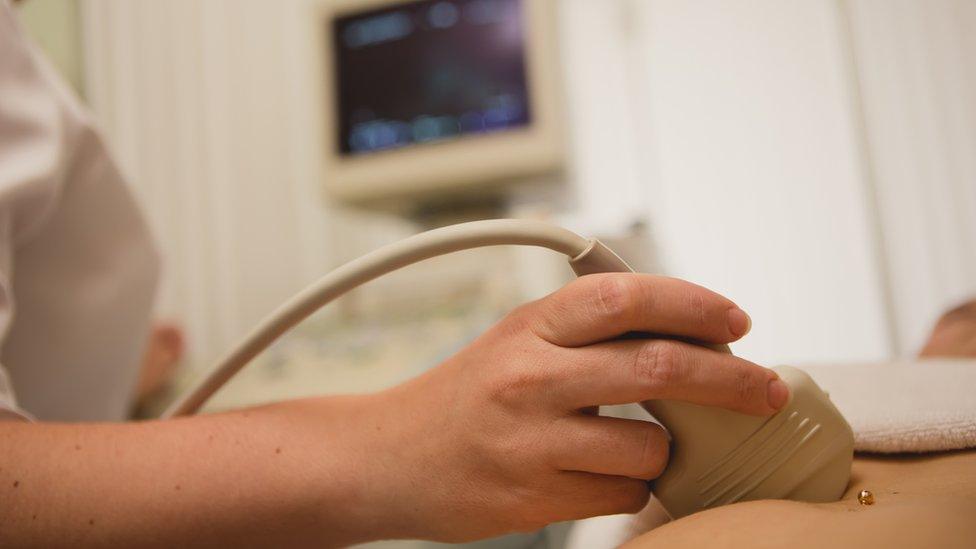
(56, 26)
(812, 160)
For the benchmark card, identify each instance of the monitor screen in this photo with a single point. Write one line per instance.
(429, 71)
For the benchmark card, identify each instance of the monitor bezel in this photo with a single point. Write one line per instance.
(465, 165)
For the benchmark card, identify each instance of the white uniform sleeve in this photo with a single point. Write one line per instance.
(30, 156)
(77, 261)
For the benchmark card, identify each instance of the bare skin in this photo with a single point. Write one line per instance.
(160, 360)
(924, 500)
(498, 438)
(920, 501)
(954, 335)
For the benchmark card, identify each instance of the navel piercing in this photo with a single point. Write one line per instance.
(865, 497)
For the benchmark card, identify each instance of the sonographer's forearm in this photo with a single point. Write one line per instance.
(269, 476)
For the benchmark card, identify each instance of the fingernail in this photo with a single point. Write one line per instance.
(739, 322)
(777, 393)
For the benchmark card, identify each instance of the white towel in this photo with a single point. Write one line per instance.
(920, 406)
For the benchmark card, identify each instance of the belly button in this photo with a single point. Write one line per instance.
(865, 497)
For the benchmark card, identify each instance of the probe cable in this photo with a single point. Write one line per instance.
(586, 256)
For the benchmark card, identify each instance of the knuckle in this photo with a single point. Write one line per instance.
(541, 318)
(520, 318)
(615, 295)
(655, 364)
(516, 385)
(746, 386)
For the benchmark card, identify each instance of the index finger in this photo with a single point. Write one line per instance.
(621, 372)
(599, 307)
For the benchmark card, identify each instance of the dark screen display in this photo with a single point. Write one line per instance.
(428, 71)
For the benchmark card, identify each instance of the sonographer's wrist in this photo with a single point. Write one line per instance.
(354, 464)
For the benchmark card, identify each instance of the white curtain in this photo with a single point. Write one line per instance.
(204, 103)
(917, 78)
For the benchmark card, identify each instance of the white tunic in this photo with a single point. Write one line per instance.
(78, 268)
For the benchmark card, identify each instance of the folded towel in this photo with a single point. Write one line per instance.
(921, 406)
